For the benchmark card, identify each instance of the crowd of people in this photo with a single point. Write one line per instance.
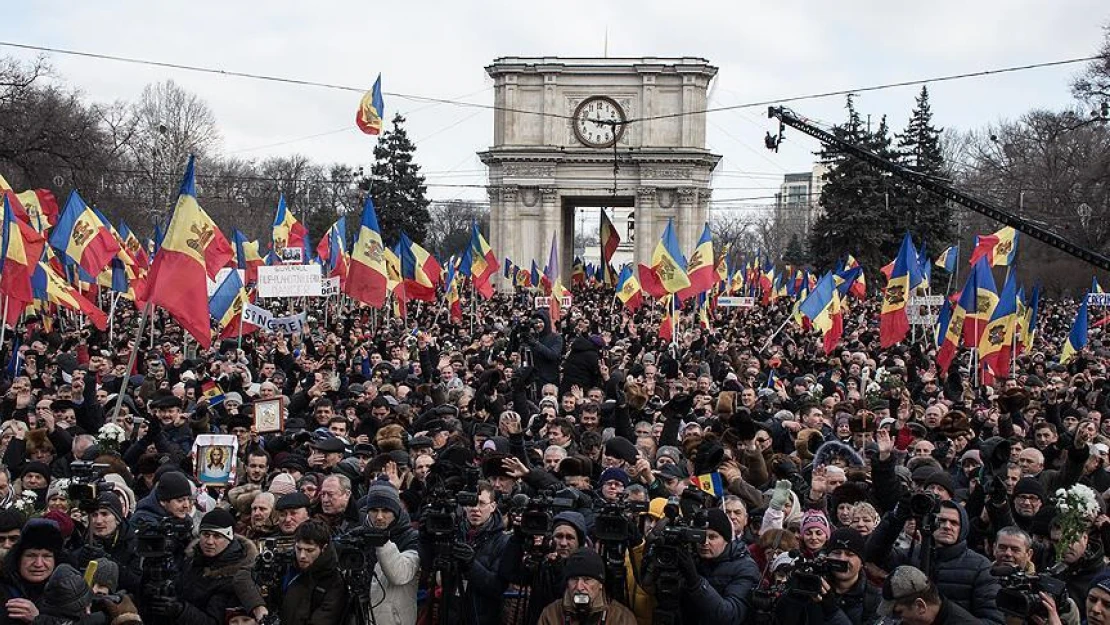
(512, 469)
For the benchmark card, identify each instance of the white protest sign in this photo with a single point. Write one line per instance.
(923, 309)
(266, 320)
(289, 281)
(292, 255)
(545, 302)
(1099, 300)
(735, 302)
(221, 275)
(330, 287)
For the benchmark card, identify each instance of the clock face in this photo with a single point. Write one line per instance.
(599, 122)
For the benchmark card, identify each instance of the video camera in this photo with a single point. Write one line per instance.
(1020, 593)
(86, 483)
(353, 549)
(158, 544)
(439, 518)
(275, 556)
(924, 504)
(615, 520)
(805, 578)
(537, 513)
(682, 533)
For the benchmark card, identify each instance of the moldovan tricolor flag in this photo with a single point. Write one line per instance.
(288, 232)
(999, 248)
(194, 249)
(41, 207)
(986, 297)
(610, 240)
(20, 251)
(453, 301)
(701, 270)
(483, 261)
(668, 262)
(366, 277)
(1077, 338)
(947, 259)
(893, 321)
(822, 307)
(81, 237)
(1029, 323)
(247, 257)
(371, 110)
(48, 286)
(419, 269)
(666, 326)
(997, 342)
(628, 289)
(226, 304)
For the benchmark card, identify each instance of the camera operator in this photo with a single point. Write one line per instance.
(910, 597)
(215, 576)
(110, 536)
(397, 561)
(718, 582)
(584, 602)
(961, 574)
(845, 597)
(1013, 550)
(172, 497)
(314, 593)
(544, 578)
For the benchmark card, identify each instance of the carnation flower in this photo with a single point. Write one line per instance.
(1076, 508)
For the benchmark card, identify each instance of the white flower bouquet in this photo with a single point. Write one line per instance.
(110, 437)
(1076, 508)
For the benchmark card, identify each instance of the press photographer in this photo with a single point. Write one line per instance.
(1013, 563)
(830, 588)
(110, 536)
(315, 591)
(584, 600)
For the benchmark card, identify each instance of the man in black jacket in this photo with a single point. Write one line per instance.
(910, 597)
(547, 350)
(111, 537)
(849, 598)
(315, 592)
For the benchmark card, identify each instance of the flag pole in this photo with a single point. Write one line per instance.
(112, 318)
(775, 333)
(147, 312)
(242, 314)
(4, 321)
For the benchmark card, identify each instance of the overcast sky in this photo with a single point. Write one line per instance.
(439, 49)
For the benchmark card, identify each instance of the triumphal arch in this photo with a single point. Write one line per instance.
(559, 127)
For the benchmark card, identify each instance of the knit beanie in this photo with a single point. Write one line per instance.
(40, 534)
(613, 473)
(1030, 486)
(584, 563)
(65, 524)
(942, 479)
(718, 521)
(384, 496)
(110, 502)
(10, 519)
(66, 594)
(815, 518)
(219, 521)
(106, 575)
(36, 467)
(173, 485)
(57, 488)
(282, 484)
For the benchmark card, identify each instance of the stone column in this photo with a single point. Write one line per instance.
(551, 216)
(645, 225)
(688, 229)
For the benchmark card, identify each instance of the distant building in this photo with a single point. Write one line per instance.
(797, 202)
(624, 220)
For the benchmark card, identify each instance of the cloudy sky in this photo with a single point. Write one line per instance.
(439, 49)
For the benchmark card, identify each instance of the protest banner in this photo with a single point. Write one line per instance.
(289, 281)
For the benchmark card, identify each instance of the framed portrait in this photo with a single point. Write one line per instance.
(269, 415)
(214, 458)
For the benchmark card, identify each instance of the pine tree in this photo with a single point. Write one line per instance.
(926, 215)
(398, 188)
(795, 252)
(854, 199)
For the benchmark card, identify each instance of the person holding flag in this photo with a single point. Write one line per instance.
(366, 277)
(894, 323)
(1077, 338)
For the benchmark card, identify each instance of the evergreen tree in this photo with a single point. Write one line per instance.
(926, 215)
(854, 200)
(795, 252)
(397, 187)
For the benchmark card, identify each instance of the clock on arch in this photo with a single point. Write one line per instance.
(599, 122)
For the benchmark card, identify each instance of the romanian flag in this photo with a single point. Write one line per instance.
(226, 304)
(668, 262)
(893, 322)
(924, 268)
(997, 342)
(394, 281)
(948, 258)
(822, 307)
(371, 110)
(701, 267)
(999, 248)
(288, 232)
(666, 326)
(82, 237)
(483, 262)
(610, 240)
(366, 278)
(50, 287)
(21, 250)
(1077, 338)
(986, 297)
(628, 289)
(767, 282)
(247, 257)
(194, 249)
(419, 269)
(41, 207)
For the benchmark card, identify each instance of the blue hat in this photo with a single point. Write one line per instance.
(614, 474)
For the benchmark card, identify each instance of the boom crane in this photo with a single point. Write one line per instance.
(787, 117)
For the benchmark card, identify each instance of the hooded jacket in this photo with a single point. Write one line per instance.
(547, 351)
(207, 587)
(396, 574)
(317, 596)
(961, 575)
(582, 366)
(724, 594)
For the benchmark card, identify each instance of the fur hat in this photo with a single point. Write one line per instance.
(634, 395)
(38, 439)
(1013, 400)
(831, 450)
(807, 443)
(955, 423)
(862, 421)
(850, 492)
(726, 403)
(575, 466)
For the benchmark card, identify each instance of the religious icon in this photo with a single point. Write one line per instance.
(214, 457)
(268, 415)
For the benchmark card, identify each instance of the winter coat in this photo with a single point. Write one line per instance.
(547, 352)
(961, 574)
(481, 603)
(547, 583)
(121, 549)
(317, 596)
(582, 366)
(13, 587)
(207, 587)
(396, 575)
(556, 614)
(856, 607)
(1078, 576)
(951, 613)
(724, 593)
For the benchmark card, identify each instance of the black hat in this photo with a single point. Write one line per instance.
(364, 449)
(292, 501)
(575, 466)
(40, 534)
(218, 521)
(36, 467)
(295, 462)
(172, 485)
(672, 471)
(62, 404)
(485, 429)
(10, 519)
(329, 445)
(943, 479)
(847, 539)
(421, 442)
(166, 401)
(619, 447)
(584, 563)
(492, 466)
(434, 426)
(1030, 486)
(717, 520)
(66, 594)
(110, 501)
(384, 496)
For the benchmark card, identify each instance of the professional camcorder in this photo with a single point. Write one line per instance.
(537, 513)
(86, 483)
(158, 544)
(1020, 594)
(275, 556)
(615, 520)
(805, 578)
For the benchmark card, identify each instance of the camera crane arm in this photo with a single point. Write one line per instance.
(787, 117)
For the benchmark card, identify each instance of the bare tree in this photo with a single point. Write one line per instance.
(449, 229)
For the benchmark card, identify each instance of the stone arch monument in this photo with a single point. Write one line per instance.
(549, 156)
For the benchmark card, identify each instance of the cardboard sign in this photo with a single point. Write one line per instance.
(545, 302)
(330, 287)
(924, 309)
(267, 321)
(735, 302)
(289, 281)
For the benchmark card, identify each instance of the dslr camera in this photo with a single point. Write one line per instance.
(805, 579)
